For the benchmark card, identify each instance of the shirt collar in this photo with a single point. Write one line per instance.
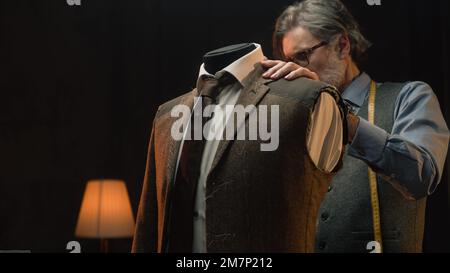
(358, 90)
(241, 67)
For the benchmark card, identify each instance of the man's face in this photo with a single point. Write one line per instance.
(324, 60)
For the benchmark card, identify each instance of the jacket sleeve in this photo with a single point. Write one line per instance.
(146, 231)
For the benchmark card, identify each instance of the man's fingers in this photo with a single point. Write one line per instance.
(273, 70)
(285, 70)
(302, 72)
(290, 70)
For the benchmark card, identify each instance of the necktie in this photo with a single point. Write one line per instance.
(183, 192)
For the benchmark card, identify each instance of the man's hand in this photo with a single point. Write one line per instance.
(288, 70)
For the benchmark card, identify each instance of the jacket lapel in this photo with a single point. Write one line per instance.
(252, 94)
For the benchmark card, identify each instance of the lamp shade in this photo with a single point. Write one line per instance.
(105, 211)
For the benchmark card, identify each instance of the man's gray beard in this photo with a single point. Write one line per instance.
(334, 71)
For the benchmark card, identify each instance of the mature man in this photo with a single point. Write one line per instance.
(406, 146)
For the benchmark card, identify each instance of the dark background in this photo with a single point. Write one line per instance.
(80, 85)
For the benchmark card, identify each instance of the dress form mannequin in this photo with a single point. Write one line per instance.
(220, 58)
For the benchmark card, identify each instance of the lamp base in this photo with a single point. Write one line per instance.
(104, 245)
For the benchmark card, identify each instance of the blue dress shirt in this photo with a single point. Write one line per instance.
(417, 144)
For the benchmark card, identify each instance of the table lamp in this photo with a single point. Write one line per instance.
(105, 212)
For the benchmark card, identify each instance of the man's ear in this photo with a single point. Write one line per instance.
(344, 46)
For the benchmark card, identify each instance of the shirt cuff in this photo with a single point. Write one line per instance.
(368, 143)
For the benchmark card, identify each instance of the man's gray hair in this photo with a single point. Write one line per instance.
(325, 19)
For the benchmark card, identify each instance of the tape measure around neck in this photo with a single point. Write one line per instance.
(372, 176)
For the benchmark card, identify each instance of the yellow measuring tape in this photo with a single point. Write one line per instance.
(372, 176)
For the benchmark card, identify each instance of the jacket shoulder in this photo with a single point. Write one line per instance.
(302, 89)
(292, 86)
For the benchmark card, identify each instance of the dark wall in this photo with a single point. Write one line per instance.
(80, 85)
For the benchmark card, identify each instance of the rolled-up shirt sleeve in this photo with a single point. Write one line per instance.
(412, 156)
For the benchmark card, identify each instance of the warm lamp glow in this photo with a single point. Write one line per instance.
(105, 211)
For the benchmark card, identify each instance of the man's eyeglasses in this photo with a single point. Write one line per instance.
(302, 58)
